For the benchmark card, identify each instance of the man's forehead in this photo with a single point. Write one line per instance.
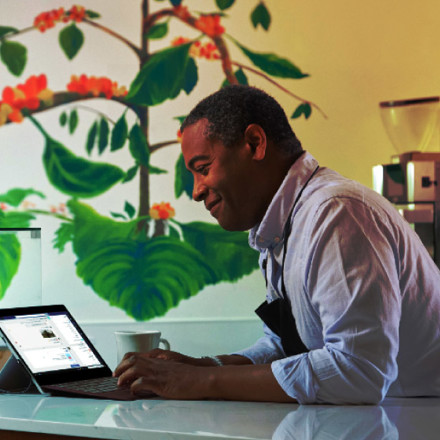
(195, 145)
(198, 128)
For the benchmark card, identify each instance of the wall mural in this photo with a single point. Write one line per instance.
(142, 260)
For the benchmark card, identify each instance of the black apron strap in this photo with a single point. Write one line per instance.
(277, 315)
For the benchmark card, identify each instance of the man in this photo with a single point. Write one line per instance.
(353, 297)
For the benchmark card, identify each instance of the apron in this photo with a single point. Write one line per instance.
(277, 314)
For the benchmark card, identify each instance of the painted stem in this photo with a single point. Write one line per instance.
(144, 184)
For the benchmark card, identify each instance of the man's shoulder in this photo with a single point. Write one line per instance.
(331, 191)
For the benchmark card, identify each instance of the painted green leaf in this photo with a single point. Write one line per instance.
(156, 170)
(180, 119)
(184, 180)
(145, 278)
(91, 138)
(91, 230)
(63, 235)
(228, 253)
(303, 109)
(15, 219)
(118, 215)
(71, 40)
(273, 64)
(130, 174)
(138, 145)
(15, 196)
(103, 135)
(161, 78)
(119, 134)
(261, 16)
(138, 281)
(14, 56)
(191, 76)
(241, 78)
(224, 4)
(73, 121)
(92, 14)
(4, 30)
(158, 31)
(63, 119)
(74, 175)
(10, 254)
(129, 209)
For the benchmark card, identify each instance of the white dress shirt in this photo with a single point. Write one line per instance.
(363, 289)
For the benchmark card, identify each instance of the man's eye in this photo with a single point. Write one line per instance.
(202, 170)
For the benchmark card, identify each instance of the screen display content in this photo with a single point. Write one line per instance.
(48, 342)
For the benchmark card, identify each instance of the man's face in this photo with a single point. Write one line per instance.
(224, 178)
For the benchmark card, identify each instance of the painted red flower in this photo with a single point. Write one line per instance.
(210, 25)
(96, 86)
(28, 95)
(208, 50)
(49, 19)
(77, 13)
(162, 211)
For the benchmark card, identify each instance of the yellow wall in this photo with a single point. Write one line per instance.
(358, 54)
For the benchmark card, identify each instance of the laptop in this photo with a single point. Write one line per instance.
(51, 348)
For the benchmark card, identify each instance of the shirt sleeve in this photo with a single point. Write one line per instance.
(267, 349)
(350, 282)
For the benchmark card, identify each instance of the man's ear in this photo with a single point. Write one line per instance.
(255, 139)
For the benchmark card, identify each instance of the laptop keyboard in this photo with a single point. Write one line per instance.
(99, 385)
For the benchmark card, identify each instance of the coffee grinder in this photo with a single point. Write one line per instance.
(412, 180)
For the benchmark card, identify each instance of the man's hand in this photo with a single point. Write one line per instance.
(163, 375)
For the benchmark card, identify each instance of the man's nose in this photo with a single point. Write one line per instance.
(199, 191)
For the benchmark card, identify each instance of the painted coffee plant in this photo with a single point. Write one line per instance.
(142, 260)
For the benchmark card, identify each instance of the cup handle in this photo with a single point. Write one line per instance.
(165, 343)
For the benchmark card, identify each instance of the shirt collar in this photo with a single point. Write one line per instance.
(269, 232)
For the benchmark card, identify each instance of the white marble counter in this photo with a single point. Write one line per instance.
(159, 419)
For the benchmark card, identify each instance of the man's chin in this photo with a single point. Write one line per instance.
(232, 226)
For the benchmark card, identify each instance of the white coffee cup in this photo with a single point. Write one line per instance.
(138, 341)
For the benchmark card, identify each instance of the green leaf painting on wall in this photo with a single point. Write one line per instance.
(162, 77)
(10, 252)
(14, 56)
(139, 257)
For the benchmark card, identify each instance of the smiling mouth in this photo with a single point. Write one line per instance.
(211, 207)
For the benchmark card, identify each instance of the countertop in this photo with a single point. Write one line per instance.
(154, 419)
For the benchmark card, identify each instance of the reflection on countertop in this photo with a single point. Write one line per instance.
(394, 419)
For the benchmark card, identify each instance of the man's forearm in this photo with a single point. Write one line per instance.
(243, 382)
(225, 359)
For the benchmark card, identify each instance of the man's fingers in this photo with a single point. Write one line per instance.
(129, 375)
(142, 387)
(128, 360)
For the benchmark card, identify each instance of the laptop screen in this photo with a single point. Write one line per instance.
(50, 343)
